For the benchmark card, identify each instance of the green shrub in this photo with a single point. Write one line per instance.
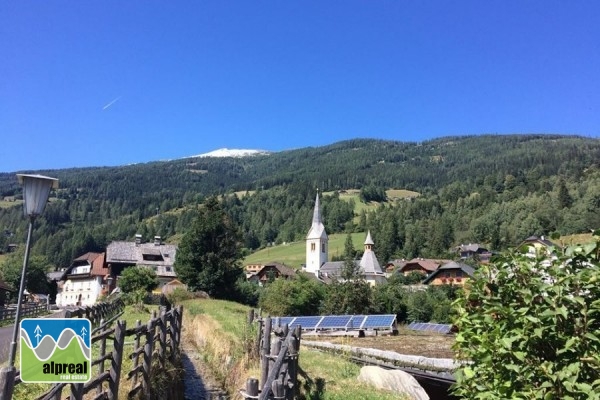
(178, 295)
(529, 328)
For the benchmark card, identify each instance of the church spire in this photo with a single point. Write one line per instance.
(317, 211)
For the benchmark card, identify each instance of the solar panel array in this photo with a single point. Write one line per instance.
(427, 327)
(338, 322)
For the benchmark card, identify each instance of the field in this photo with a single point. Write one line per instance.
(294, 254)
(411, 342)
(219, 332)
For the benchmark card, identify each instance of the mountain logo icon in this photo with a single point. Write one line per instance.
(55, 350)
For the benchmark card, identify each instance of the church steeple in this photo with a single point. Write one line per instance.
(317, 229)
(316, 241)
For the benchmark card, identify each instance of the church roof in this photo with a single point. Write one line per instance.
(317, 229)
(369, 264)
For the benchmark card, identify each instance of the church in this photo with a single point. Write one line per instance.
(317, 254)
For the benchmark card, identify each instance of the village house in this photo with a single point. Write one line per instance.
(83, 282)
(424, 266)
(475, 251)
(451, 273)
(273, 271)
(156, 255)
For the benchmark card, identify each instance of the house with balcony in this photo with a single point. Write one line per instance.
(84, 281)
(452, 273)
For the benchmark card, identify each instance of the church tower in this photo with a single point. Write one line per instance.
(316, 242)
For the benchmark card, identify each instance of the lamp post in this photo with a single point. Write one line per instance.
(36, 189)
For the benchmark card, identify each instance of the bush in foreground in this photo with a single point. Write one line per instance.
(529, 328)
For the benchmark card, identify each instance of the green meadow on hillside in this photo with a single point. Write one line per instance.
(294, 254)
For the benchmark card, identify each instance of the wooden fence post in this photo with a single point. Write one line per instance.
(102, 354)
(266, 351)
(7, 382)
(117, 361)
(171, 317)
(136, 346)
(179, 322)
(147, 362)
(292, 376)
(163, 339)
(259, 331)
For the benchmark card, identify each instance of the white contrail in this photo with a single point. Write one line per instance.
(111, 103)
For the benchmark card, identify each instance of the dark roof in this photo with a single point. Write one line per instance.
(5, 286)
(281, 268)
(472, 247)
(452, 265)
(427, 264)
(130, 253)
(536, 239)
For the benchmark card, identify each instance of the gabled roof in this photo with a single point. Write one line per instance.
(536, 239)
(94, 260)
(98, 268)
(452, 265)
(283, 270)
(427, 264)
(132, 253)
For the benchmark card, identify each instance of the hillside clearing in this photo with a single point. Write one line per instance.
(294, 254)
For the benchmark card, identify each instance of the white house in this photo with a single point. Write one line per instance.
(83, 282)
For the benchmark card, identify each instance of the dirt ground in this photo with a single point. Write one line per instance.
(407, 342)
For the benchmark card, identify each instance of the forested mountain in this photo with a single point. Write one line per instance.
(494, 189)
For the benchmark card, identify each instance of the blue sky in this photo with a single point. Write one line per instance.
(93, 83)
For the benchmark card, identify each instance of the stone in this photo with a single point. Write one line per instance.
(394, 380)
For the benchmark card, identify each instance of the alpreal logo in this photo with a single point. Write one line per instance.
(55, 350)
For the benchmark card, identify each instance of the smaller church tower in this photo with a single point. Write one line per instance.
(316, 242)
(369, 266)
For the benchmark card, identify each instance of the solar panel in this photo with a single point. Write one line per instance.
(427, 327)
(379, 321)
(280, 321)
(356, 321)
(335, 322)
(306, 322)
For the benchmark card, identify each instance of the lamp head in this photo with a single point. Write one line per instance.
(36, 189)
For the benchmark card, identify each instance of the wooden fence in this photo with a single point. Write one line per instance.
(279, 363)
(27, 310)
(162, 329)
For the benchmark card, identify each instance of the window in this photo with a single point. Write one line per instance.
(168, 269)
(312, 247)
(322, 247)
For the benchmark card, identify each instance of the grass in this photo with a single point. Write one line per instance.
(581, 238)
(294, 254)
(218, 330)
(8, 204)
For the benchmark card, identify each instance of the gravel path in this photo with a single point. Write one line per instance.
(198, 384)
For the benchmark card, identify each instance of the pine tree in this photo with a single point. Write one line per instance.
(209, 256)
(350, 269)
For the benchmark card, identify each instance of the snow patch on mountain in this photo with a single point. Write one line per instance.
(233, 153)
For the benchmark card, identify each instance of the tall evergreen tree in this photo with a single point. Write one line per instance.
(350, 269)
(209, 256)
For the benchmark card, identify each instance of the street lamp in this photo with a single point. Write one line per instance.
(36, 189)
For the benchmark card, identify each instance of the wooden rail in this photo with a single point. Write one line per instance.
(162, 331)
(279, 363)
(26, 311)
